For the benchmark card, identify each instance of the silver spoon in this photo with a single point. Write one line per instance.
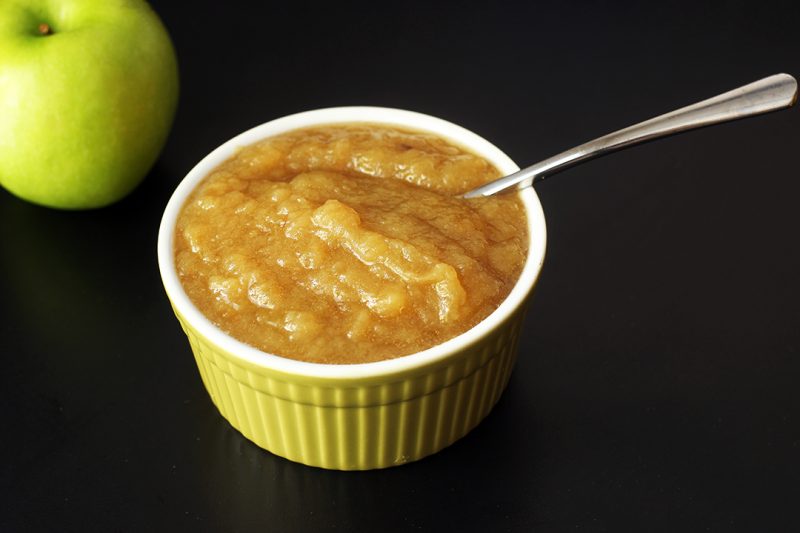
(768, 94)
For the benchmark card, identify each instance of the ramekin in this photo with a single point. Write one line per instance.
(359, 416)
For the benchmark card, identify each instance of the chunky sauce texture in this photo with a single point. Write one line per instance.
(348, 243)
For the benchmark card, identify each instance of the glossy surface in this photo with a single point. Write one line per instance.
(348, 244)
(656, 387)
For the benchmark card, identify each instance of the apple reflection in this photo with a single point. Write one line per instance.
(80, 287)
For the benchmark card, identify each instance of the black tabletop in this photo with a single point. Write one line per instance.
(658, 381)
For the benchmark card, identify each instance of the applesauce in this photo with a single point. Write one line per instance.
(348, 243)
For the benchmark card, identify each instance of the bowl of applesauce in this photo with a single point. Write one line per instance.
(346, 308)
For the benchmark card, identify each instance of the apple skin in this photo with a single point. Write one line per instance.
(86, 108)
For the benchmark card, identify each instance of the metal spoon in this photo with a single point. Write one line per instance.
(769, 94)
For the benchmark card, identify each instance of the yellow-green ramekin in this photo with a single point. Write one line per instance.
(360, 416)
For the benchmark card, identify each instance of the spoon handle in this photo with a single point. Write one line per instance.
(768, 94)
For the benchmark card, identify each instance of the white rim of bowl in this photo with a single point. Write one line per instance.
(336, 115)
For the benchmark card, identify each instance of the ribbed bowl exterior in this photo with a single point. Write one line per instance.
(359, 424)
(372, 415)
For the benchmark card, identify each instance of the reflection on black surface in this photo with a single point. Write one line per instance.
(74, 308)
(242, 481)
(71, 282)
(657, 386)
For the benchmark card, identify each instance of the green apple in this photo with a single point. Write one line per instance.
(88, 90)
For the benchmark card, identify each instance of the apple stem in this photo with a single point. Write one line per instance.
(44, 29)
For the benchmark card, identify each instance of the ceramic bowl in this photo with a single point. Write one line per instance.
(358, 416)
